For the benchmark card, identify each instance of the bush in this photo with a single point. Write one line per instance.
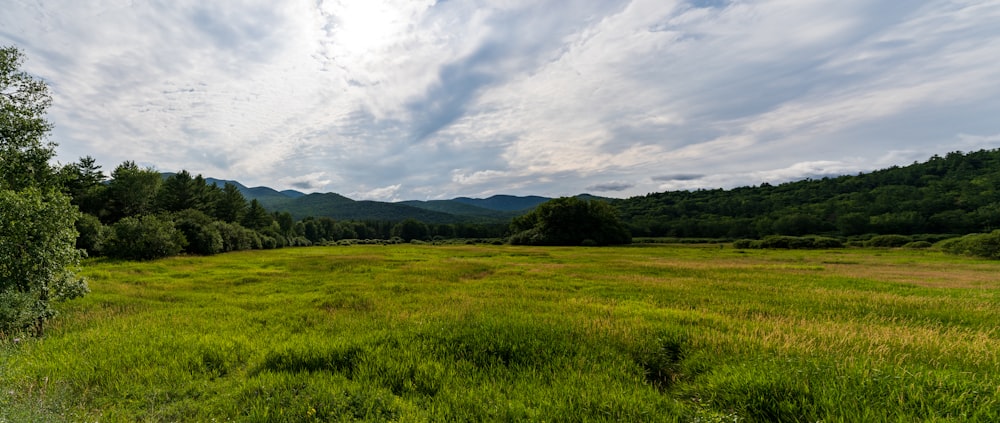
(91, 234)
(918, 245)
(144, 238)
(977, 245)
(888, 241)
(826, 242)
(299, 241)
(202, 237)
(789, 242)
(236, 237)
(18, 312)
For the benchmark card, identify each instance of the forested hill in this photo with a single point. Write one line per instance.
(954, 194)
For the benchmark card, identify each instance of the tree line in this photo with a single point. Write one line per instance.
(954, 194)
(137, 213)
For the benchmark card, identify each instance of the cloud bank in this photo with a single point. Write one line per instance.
(437, 99)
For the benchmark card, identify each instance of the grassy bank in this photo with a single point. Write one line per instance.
(500, 333)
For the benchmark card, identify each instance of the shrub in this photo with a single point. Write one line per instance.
(236, 237)
(91, 234)
(743, 243)
(299, 241)
(977, 245)
(18, 312)
(144, 238)
(888, 241)
(918, 245)
(788, 242)
(826, 242)
(202, 237)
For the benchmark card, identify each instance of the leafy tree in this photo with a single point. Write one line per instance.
(91, 234)
(37, 233)
(570, 221)
(23, 127)
(202, 236)
(236, 237)
(144, 238)
(132, 191)
(411, 229)
(286, 223)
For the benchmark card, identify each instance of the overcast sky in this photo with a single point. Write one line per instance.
(408, 99)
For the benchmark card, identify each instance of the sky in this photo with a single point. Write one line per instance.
(420, 100)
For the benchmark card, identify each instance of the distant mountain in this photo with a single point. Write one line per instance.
(459, 208)
(505, 202)
(292, 193)
(495, 209)
(270, 198)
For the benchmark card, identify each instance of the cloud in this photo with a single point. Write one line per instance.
(678, 177)
(387, 193)
(436, 99)
(310, 182)
(611, 186)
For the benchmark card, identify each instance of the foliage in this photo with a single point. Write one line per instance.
(790, 242)
(230, 205)
(202, 236)
(236, 237)
(23, 102)
(37, 256)
(181, 191)
(569, 221)
(91, 234)
(257, 217)
(888, 241)
(144, 238)
(132, 191)
(37, 233)
(977, 245)
(916, 245)
(411, 229)
(85, 184)
(954, 194)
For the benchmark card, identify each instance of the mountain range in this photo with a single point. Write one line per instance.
(495, 209)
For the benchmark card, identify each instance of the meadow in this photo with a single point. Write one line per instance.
(693, 333)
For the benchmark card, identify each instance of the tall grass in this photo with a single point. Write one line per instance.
(500, 333)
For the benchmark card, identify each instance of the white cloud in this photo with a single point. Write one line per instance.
(386, 193)
(388, 99)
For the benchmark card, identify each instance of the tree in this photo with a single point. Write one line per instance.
(84, 182)
(132, 191)
(144, 238)
(256, 217)
(230, 205)
(570, 221)
(411, 229)
(37, 233)
(23, 128)
(178, 192)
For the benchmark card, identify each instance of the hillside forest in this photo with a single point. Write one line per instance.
(945, 196)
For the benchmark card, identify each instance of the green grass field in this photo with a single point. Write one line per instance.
(501, 333)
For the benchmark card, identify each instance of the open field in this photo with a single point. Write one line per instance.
(501, 333)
